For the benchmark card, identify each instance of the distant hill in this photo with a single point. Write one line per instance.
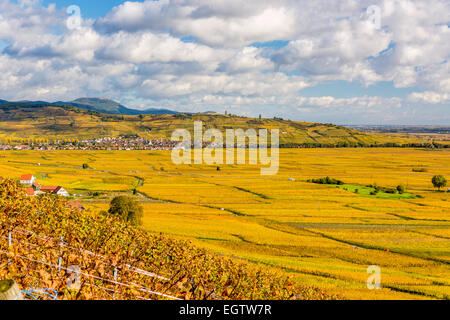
(97, 104)
(27, 120)
(107, 106)
(101, 105)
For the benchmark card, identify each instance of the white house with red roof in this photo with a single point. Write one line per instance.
(60, 191)
(27, 179)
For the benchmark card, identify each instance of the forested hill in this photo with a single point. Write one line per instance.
(101, 105)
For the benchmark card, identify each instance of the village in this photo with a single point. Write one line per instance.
(106, 143)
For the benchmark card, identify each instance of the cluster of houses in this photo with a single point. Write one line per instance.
(36, 189)
(126, 143)
(5, 147)
(107, 143)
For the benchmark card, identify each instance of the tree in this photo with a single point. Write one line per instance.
(439, 181)
(85, 166)
(127, 209)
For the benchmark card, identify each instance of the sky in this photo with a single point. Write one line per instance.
(378, 62)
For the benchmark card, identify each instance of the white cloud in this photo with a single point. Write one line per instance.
(148, 47)
(350, 104)
(246, 60)
(137, 53)
(222, 23)
(247, 85)
(429, 97)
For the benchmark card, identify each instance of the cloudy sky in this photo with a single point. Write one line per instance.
(345, 62)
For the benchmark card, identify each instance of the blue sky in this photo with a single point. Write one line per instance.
(345, 89)
(90, 8)
(304, 60)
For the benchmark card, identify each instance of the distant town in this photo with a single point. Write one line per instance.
(107, 143)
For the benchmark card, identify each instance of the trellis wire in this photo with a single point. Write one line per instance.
(62, 244)
(59, 266)
(128, 285)
(45, 291)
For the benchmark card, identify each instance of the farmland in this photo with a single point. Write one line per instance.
(324, 236)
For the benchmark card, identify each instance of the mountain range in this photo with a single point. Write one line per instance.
(101, 105)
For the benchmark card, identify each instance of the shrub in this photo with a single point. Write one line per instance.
(401, 189)
(326, 180)
(85, 166)
(390, 190)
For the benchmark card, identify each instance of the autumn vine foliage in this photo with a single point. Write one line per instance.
(42, 239)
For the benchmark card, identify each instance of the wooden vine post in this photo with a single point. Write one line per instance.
(9, 290)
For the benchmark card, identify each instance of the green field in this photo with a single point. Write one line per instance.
(366, 191)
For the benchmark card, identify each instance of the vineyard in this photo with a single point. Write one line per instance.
(45, 244)
(321, 236)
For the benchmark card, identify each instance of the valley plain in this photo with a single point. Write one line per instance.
(324, 236)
